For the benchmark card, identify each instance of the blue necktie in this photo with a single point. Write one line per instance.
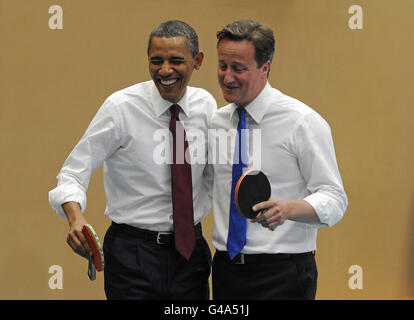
(236, 239)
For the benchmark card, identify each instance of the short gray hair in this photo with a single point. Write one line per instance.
(176, 28)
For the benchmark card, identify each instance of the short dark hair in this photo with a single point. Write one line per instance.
(176, 28)
(259, 34)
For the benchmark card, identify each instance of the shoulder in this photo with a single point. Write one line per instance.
(288, 104)
(139, 91)
(293, 109)
(197, 95)
(221, 117)
(201, 101)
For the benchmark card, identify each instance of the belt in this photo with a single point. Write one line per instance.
(159, 237)
(243, 258)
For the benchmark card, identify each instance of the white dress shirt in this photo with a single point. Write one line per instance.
(129, 135)
(292, 145)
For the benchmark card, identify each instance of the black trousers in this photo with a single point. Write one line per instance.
(137, 268)
(265, 277)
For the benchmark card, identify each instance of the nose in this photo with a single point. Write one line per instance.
(165, 69)
(227, 76)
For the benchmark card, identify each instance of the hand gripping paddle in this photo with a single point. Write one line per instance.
(251, 188)
(97, 261)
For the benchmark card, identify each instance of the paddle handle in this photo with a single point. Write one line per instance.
(260, 213)
(91, 270)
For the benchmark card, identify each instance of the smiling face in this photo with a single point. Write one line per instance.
(238, 75)
(171, 65)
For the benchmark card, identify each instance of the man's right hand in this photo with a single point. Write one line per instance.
(76, 239)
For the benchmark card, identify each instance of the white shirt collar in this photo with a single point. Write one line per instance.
(257, 108)
(161, 105)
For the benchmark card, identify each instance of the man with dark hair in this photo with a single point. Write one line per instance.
(259, 34)
(271, 256)
(156, 193)
(174, 28)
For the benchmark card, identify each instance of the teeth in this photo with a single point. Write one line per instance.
(168, 82)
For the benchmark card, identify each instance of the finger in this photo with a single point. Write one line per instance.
(265, 205)
(261, 206)
(276, 223)
(260, 217)
(71, 244)
(77, 246)
(84, 243)
(269, 216)
(257, 217)
(271, 220)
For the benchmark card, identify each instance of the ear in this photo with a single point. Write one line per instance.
(198, 60)
(266, 68)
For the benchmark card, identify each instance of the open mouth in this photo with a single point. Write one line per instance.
(168, 83)
(229, 88)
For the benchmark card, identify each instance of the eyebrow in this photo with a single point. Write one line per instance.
(234, 64)
(177, 58)
(169, 58)
(238, 64)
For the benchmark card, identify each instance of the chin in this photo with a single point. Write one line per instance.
(229, 98)
(169, 96)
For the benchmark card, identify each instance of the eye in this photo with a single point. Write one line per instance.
(156, 61)
(222, 66)
(177, 61)
(239, 69)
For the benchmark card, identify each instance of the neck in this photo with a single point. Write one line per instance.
(255, 96)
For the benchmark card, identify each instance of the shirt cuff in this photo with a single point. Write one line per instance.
(328, 215)
(59, 196)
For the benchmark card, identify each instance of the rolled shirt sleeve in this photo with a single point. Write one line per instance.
(101, 139)
(318, 165)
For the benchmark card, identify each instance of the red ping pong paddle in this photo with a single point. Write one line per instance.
(97, 262)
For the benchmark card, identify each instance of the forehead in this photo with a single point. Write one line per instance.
(169, 46)
(237, 51)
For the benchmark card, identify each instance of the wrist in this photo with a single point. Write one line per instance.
(290, 209)
(301, 211)
(73, 211)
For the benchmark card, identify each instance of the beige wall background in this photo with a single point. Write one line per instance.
(360, 81)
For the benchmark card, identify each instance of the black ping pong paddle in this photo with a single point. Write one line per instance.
(252, 187)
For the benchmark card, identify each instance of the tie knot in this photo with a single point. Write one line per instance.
(175, 109)
(241, 112)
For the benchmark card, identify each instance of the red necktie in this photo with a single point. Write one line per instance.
(181, 188)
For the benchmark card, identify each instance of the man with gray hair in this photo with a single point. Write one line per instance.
(154, 247)
(271, 256)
